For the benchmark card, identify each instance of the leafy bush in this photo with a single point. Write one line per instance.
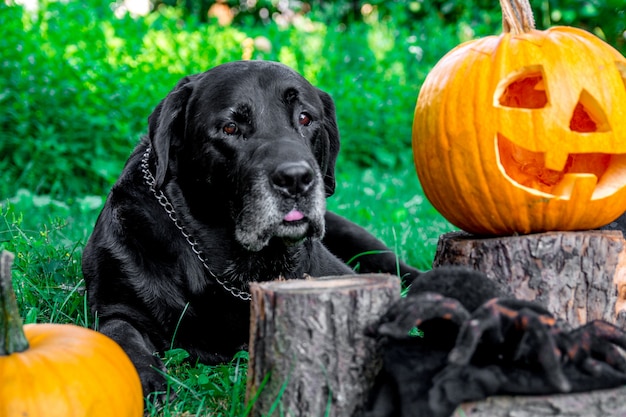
(59, 95)
(77, 84)
(606, 18)
(76, 89)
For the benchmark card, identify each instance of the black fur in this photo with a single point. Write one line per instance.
(478, 343)
(241, 151)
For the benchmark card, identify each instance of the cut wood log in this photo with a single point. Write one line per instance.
(309, 355)
(577, 276)
(601, 403)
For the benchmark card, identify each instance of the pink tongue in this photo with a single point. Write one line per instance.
(293, 215)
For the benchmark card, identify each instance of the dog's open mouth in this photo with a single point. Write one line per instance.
(594, 174)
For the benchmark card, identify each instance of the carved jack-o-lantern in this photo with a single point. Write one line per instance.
(525, 132)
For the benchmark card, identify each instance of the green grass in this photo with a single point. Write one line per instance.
(64, 139)
(48, 236)
(76, 88)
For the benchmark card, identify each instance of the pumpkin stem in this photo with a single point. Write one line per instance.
(12, 338)
(517, 16)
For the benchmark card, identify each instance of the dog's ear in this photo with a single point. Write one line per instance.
(166, 125)
(327, 149)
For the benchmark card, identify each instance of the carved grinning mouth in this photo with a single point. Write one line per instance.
(555, 172)
(594, 174)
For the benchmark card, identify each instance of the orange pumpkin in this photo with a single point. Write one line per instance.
(61, 370)
(524, 132)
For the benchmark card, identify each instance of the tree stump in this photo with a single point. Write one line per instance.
(601, 403)
(309, 355)
(577, 276)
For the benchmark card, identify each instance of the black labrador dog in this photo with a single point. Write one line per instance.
(228, 187)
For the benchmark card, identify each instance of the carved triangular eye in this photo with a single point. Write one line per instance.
(588, 115)
(524, 89)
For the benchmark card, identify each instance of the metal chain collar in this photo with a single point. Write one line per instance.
(171, 212)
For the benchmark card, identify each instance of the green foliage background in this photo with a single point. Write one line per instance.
(77, 84)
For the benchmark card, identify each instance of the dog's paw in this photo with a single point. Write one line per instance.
(156, 390)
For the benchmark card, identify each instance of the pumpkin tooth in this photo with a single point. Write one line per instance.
(578, 186)
(555, 160)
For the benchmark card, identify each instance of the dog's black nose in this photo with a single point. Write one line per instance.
(292, 178)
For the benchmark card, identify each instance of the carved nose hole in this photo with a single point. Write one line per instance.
(588, 115)
(523, 89)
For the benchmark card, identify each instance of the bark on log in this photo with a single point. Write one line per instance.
(307, 337)
(578, 276)
(601, 403)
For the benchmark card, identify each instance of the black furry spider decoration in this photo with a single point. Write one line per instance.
(479, 342)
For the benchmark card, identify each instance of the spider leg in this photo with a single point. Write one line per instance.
(538, 339)
(411, 362)
(414, 310)
(485, 319)
(498, 323)
(596, 342)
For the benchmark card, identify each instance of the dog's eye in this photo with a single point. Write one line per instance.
(304, 119)
(230, 129)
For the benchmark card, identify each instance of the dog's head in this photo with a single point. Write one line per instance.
(252, 140)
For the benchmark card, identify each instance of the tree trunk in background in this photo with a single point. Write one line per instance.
(578, 276)
(307, 338)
